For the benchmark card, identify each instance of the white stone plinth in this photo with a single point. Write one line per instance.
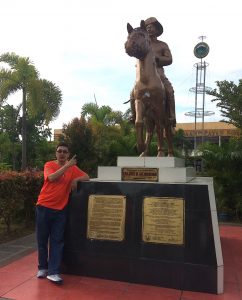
(150, 162)
(109, 173)
(166, 175)
(176, 175)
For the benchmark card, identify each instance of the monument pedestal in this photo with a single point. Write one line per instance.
(157, 233)
(170, 169)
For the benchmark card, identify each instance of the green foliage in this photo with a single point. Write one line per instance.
(39, 149)
(114, 135)
(79, 136)
(44, 151)
(21, 74)
(10, 201)
(110, 143)
(103, 114)
(5, 146)
(4, 167)
(9, 121)
(10, 147)
(229, 97)
(99, 139)
(224, 164)
(29, 189)
(41, 99)
(18, 195)
(182, 147)
(45, 107)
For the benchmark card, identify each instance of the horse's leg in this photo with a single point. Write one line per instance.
(160, 139)
(169, 136)
(139, 123)
(150, 126)
(139, 134)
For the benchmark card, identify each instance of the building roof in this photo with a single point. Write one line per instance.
(210, 129)
(207, 125)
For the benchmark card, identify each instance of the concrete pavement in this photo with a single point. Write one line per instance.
(16, 249)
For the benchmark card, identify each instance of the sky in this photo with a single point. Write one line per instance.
(79, 46)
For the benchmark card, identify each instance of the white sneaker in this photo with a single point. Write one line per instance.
(55, 278)
(42, 273)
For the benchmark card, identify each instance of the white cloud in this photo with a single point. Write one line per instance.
(79, 45)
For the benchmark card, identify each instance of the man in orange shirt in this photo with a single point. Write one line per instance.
(60, 177)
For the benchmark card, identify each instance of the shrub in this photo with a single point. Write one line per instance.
(224, 164)
(18, 194)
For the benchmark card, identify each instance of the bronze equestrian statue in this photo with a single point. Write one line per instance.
(149, 96)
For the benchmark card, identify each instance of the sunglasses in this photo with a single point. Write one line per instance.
(62, 151)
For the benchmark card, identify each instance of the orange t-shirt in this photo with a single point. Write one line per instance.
(55, 194)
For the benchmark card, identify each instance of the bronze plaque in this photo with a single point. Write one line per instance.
(140, 174)
(163, 220)
(106, 217)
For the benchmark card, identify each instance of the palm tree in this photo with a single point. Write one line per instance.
(103, 114)
(46, 107)
(21, 76)
(39, 97)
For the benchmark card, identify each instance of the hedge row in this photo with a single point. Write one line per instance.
(18, 195)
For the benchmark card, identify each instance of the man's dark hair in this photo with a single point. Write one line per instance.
(62, 144)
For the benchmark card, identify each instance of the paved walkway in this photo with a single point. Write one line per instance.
(18, 277)
(16, 249)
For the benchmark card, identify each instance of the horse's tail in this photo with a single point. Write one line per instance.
(127, 101)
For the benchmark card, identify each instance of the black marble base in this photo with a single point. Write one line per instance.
(192, 266)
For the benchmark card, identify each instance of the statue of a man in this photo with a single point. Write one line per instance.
(163, 58)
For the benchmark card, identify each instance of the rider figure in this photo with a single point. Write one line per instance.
(163, 58)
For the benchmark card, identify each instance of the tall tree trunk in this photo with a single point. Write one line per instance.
(24, 160)
(13, 142)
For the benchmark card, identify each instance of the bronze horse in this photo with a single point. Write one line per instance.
(149, 93)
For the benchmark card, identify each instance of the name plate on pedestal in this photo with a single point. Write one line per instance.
(106, 217)
(163, 220)
(140, 174)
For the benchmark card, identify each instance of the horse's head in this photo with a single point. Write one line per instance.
(138, 42)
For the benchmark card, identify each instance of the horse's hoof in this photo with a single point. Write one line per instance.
(170, 155)
(160, 154)
(142, 154)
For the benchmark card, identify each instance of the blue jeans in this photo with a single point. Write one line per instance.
(50, 226)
